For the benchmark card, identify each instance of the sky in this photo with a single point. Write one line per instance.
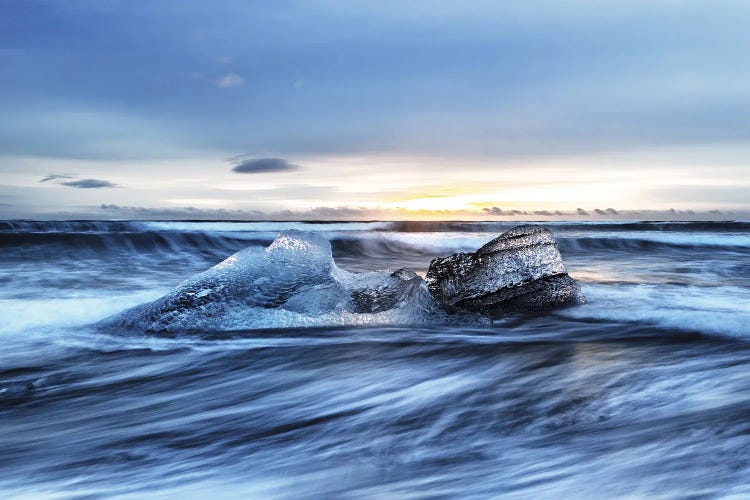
(344, 109)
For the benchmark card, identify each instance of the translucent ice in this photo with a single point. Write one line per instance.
(292, 283)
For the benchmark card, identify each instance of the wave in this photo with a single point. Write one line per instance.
(17, 226)
(352, 413)
(372, 244)
(32, 226)
(657, 226)
(583, 400)
(274, 227)
(346, 244)
(86, 226)
(26, 316)
(718, 310)
(652, 242)
(83, 245)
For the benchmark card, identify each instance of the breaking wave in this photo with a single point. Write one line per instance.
(375, 239)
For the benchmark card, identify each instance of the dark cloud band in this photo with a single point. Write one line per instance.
(54, 177)
(89, 184)
(78, 183)
(263, 165)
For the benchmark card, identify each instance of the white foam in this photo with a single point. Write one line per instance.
(669, 237)
(25, 315)
(723, 310)
(431, 242)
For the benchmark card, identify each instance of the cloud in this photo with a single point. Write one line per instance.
(500, 211)
(229, 81)
(609, 211)
(52, 177)
(78, 183)
(114, 211)
(189, 212)
(262, 165)
(111, 211)
(89, 184)
(581, 211)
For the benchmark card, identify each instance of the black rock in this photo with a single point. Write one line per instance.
(520, 270)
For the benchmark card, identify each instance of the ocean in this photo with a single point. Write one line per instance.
(642, 392)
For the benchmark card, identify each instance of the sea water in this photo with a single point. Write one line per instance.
(644, 391)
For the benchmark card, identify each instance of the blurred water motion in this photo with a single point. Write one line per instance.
(642, 392)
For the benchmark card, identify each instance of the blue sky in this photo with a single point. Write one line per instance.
(379, 107)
